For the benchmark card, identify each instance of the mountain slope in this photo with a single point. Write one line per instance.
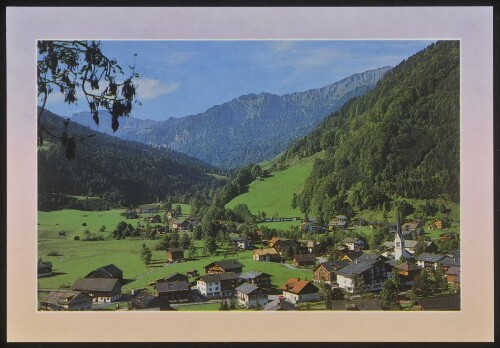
(249, 129)
(120, 171)
(399, 140)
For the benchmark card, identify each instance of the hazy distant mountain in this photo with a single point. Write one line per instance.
(248, 129)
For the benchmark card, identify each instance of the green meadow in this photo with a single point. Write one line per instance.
(274, 195)
(75, 258)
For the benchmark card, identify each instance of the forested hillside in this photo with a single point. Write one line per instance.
(121, 172)
(399, 140)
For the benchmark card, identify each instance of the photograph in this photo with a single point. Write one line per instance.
(181, 178)
(248, 175)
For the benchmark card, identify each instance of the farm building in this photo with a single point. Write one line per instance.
(66, 301)
(102, 290)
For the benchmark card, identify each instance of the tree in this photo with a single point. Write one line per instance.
(256, 171)
(337, 294)
(390, 291)
(178, 209)
(358, 284)
(146, 256)
(325, 294)
(211, 245)
(440, 282)
(185, 241)
(73, 67)
(192, 251)
(423, 285)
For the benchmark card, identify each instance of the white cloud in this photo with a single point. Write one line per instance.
(150, 88)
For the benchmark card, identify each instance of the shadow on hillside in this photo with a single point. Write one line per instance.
(126, 281)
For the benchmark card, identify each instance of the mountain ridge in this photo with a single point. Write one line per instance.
(247, 129)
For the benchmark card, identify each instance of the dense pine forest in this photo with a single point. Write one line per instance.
(399, 140)
(120, 172)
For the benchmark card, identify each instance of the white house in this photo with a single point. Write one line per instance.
(296, 290)
(371, 269)
(217, 285)
(251, 296)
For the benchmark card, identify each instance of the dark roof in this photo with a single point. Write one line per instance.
(305, 258)
(207, 278)
(145, 300)
(371, 257)
(358, 305)
(357, 267)
(450, 261)
(61, 297)
(226, 264)
(429, 257)
(96, 284)
(239, 239)
(440, 303)
(253, 275)
(176, 275)
(279, 304)
(175, 249)
(108, 271)
(178, 285)
(286, 243)
(246, 288)
(44, 264)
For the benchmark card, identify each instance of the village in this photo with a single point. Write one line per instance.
(406, 272)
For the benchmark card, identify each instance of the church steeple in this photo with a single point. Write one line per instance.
(399, 241)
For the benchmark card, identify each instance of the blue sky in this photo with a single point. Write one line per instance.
(181, 78)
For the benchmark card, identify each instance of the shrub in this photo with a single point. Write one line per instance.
(76, 237)
(84, 224)
(53, 253)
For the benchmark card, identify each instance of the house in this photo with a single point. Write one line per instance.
(411, 225)
(283, 245)
(175, 277)
(131, 214)
(408, 272)
(436, 224)
(453, 276)
(251, 296)
(224, 266)
(153, 219)
(108, 271)
(171, 214)
(273, 241)
(260, 279)
(439, 303)
(148, 209)
(217, 285)
(356, 305)
(143, 300)
(173, 291)
(355, 244)
(296, 290)
(66, 301)
(327, 271)
(350, 255)
(429, 260)
(44, 269)
(410, 247)
(337, 223)
(175, 254)
(450, 261)
(102, 290)
(311, 227)
(309, 246)
(180, 225)
(304, 260)
(371, 270)
(280, 304)
(269, 255)
(242, 243)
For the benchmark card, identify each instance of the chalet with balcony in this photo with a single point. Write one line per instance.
(224, 266)
(220, 285)
(251, 296)
(102, 290)
(66, 301)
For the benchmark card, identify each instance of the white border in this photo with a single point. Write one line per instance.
(472, 25)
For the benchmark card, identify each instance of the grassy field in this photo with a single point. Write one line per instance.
(281, 225)
(274, 195)
(76, 259)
